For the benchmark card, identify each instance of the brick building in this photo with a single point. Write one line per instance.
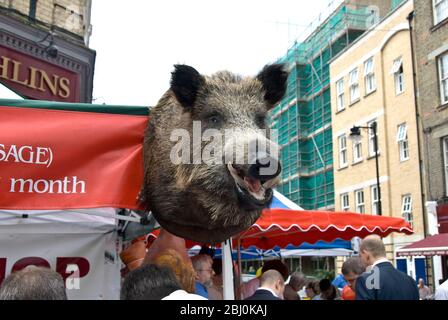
(303, 117)
(44, 51)
(430, 24)
(372, 83)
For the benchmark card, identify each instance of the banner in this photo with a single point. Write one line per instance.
(59, 159)
(88, 263)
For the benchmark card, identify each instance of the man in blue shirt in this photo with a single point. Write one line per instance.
(339, 282)
(202, 264)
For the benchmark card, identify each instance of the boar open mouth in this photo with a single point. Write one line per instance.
(253, 194)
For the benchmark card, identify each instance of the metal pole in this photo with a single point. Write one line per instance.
(240, 270)
(375, 138)
(227, 272)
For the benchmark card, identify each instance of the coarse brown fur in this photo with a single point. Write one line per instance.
(198, 201)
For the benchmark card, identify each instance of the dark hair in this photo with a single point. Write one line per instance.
(327, 290)
(313, 285)
(208, 251)
(149, 282)
(297, 280)
(278, 265)
(324, 284)
(33, 283)
(353, 264)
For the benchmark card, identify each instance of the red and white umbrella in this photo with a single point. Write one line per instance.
(282, 227)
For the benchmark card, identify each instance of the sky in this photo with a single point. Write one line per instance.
(137, 44)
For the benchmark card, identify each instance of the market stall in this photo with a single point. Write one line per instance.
(65, 172)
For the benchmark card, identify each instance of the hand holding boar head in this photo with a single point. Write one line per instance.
(210, 164)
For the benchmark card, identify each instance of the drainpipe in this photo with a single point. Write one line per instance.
(410, 19)
(417, 118)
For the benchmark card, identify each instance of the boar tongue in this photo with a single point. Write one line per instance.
(253, 184)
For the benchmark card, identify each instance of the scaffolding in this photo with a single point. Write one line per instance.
(303, 118)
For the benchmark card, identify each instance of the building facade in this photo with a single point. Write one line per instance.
(373, 84)
(44, 51)
(430, 25)
(303, 118)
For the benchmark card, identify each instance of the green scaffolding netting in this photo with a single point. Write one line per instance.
(303, 118)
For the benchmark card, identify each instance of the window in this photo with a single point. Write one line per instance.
(359, 199)
(406, 208)
(369, 76)
(354, 86)
(32, 12)
(357, 151)
(440, 10)
(374, 197)
(372, 139)
(345, 204)
(397, 71)
(342, 151)
(443, 71)
(403, 144)
(445, 162)
(340, 94)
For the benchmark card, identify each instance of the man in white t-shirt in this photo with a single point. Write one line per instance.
(442, 291)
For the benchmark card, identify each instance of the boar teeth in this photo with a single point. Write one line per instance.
(242, 183)
(236, 177)
(260, 195)
(271, 183)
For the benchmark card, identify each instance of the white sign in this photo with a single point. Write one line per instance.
(87, 259)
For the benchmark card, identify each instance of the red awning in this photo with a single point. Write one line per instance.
(436, 245)
(281, 227)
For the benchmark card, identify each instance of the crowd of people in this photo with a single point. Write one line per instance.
(169, 276)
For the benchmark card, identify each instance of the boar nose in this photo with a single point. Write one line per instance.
(265, 168)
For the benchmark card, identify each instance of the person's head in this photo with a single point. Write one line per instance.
(202, 264)
(273, 280)
(183, 271)
(327, 290)
(33, 283)
(297, 281)
(371, 250)
(421, 283)
(149, 282)
(312, 289)
(352, 269)
(134, 255)
(277, 265)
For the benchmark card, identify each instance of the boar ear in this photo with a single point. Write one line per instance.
(273, 77)
(185, 83)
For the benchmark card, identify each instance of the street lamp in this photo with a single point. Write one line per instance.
(51, 49)
(356, 132)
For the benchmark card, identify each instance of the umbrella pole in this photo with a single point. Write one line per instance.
(227, 272)
(240, 279)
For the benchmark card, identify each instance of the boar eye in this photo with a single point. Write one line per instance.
(215, 119)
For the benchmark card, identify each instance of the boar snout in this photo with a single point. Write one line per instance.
(254, 182)
(266, 168)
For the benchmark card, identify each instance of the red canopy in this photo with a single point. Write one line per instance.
(436, 245)
(281, 227)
